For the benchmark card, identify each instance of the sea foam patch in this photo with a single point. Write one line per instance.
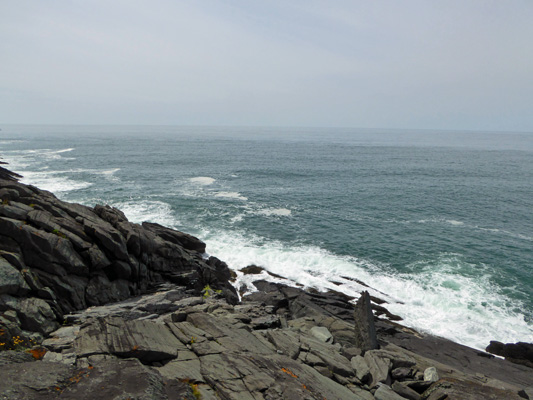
(231, 195)
(278, 212)
(140, 210)
(53, 181)
(202, 180)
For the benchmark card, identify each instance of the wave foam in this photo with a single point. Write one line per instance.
(437, 298)
(140, 210)
(279, 212)
(202, 180)
(231, 195)
(52, 182)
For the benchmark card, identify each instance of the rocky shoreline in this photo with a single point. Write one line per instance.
(94, 306)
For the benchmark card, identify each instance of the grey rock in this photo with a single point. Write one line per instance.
(123, 379)
(96, 257)
(431, 374)
(266, 322)
(11, 281)
(207, 347)
(15, 210)
(362, 372)
(285, 341)
(365, 331)
(401, 373)
(31, 380)
(62, 339)
(188, 241)
(145, 340)
(528, 391)
(329, 355)
(384, 392)
(14, 357)
(35, 314)
(379, 367)
(467, 390)
(182, 370)
(405, 391)
(321, 333)
(397, 356)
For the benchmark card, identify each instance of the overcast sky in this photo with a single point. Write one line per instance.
(373, 64)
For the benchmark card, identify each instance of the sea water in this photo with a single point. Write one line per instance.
(438, 224)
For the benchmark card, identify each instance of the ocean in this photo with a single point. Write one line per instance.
(437, 223)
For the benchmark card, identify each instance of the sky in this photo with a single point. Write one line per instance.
(412, 64)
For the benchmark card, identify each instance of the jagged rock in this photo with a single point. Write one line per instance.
(384, 392)
(15, 210)
(285, 341)
(526, 393)
(401, 373)
(34, 314)
(431, 375)
(328, 355)
(321, 333)
(379, 367)
(362, 372)
(187, 241)
(405, 391)
(365, 331)
(252, 269)
(11, 281)
(519, 353)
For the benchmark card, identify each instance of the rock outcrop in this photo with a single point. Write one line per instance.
(519, 353)
(57, 257)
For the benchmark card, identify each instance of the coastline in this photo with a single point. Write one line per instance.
(60, 258)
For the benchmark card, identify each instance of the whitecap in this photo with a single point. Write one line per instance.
(202, 180)
(231, 195)
(279, 212)
(454, 222)
(63, 150)
(140, 210)
(52, 182)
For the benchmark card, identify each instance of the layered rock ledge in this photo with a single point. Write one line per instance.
(94, 306)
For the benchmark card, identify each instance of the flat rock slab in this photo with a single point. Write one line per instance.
(453, 389)
(146, 340)
(34, 380)
(124, 379)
